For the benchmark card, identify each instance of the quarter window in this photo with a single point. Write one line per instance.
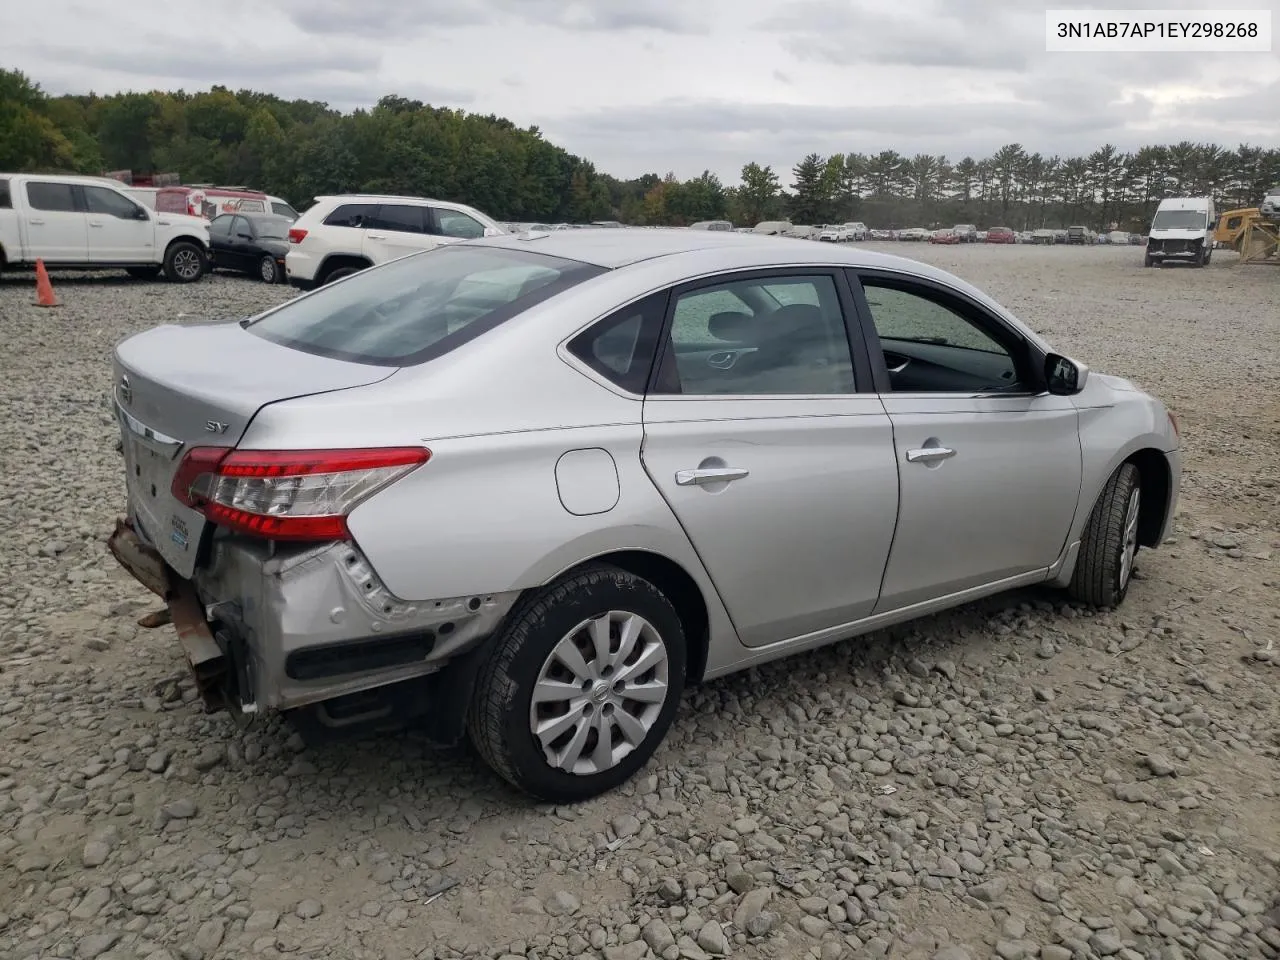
(760, 337)
(933, 344)
(452, 223)
(56, 197)
(620, 347)
(355, 215)
(5, 202)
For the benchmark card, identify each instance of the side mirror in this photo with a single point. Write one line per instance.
(1064, 376)
(492, 232)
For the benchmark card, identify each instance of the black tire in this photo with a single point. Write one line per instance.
(143, 273)
(268, 270)
(1148, 261)
(499, 721)
(184, 262)
(337, 273)
(1100, 578)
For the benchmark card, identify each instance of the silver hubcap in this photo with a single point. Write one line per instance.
(1130, 549)
(186, 264)
(599, 693)
(268, 270)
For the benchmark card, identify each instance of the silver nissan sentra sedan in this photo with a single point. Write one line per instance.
(527, 488)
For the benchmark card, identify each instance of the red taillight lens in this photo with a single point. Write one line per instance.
(297, 234)
(288, 494)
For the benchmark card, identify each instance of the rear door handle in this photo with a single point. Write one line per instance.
(929, 454)
(376, 236)
(96, 223)
(690, 478)
(36, 223)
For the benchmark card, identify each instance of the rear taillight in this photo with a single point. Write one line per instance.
(297, 234)
(288, 494)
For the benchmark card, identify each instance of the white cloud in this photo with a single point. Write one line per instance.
(657, 85)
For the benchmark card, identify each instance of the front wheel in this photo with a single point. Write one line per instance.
(1104, 568)
(268, 270)
(582, 685)
(184, 263)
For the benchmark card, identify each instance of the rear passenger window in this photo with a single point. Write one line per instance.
(5, 202)
(51, 196)
(621, 347)
(352, 215)
(400, 217)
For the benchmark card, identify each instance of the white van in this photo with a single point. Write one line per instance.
(1182, 229)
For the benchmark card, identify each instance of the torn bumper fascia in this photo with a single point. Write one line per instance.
(276, 604)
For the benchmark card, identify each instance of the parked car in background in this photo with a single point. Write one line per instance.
(1118, 236)
(914, 234)
(1043, 235)
(944, 236)
(341, 235)
(881, 235)
(1181, 230)
(1269, 208)
(967, 232)
(91, 223)
(856, 231)
(720, 225)
(577, 540)
(250, 243)
(1000, 235)
(772, 227)
(801, 231)
(833, 233)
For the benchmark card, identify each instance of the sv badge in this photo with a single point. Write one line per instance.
(216, 426)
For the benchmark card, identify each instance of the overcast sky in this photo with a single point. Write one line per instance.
(681, 85)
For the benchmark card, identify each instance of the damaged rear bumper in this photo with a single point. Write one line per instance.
(268, 629)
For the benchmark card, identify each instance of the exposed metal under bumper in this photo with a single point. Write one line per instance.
(206, 659)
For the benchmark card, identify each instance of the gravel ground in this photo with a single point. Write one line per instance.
(1018, 778)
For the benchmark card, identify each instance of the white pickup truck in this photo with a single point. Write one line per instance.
(90, 223)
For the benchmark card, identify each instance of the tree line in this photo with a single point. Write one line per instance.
(300, 149)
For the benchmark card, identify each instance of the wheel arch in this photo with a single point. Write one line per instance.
(1154, 481)
(679, 586)
(336, 261)
(187, 238)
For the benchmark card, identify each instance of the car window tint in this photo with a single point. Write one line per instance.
(242, 225)
(416, 308)
(220, 227)
(451, 223)
(403, 218)
(719, 345)
(284, 210)
(621, 347)
(5, 202)
(50, 196)
(932, 345)
(352, 215)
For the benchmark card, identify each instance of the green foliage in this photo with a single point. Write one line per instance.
(300, 149)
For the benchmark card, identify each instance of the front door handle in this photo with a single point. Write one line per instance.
(376, 236)
(96, 223)
(689, 478)
(36, 223)
(929, 454)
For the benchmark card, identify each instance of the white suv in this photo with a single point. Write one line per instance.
(338, 236)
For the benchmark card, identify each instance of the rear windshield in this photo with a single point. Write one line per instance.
(419, 307)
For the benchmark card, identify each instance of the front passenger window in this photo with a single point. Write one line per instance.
(930, 346)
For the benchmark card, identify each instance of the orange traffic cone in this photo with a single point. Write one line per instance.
(45, 297)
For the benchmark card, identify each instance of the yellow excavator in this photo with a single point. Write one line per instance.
(1250, 234)
(1232, 226)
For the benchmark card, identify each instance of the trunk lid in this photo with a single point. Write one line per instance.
(178, 387)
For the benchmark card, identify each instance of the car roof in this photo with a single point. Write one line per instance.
(613, 249)
(389, 197)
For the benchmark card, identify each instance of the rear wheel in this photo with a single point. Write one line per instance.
(184, 262)
(337, 273)
(268, 270)
(582, 685)
(1104, 568)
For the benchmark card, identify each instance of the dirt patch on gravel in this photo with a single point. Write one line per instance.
(1017, 778)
